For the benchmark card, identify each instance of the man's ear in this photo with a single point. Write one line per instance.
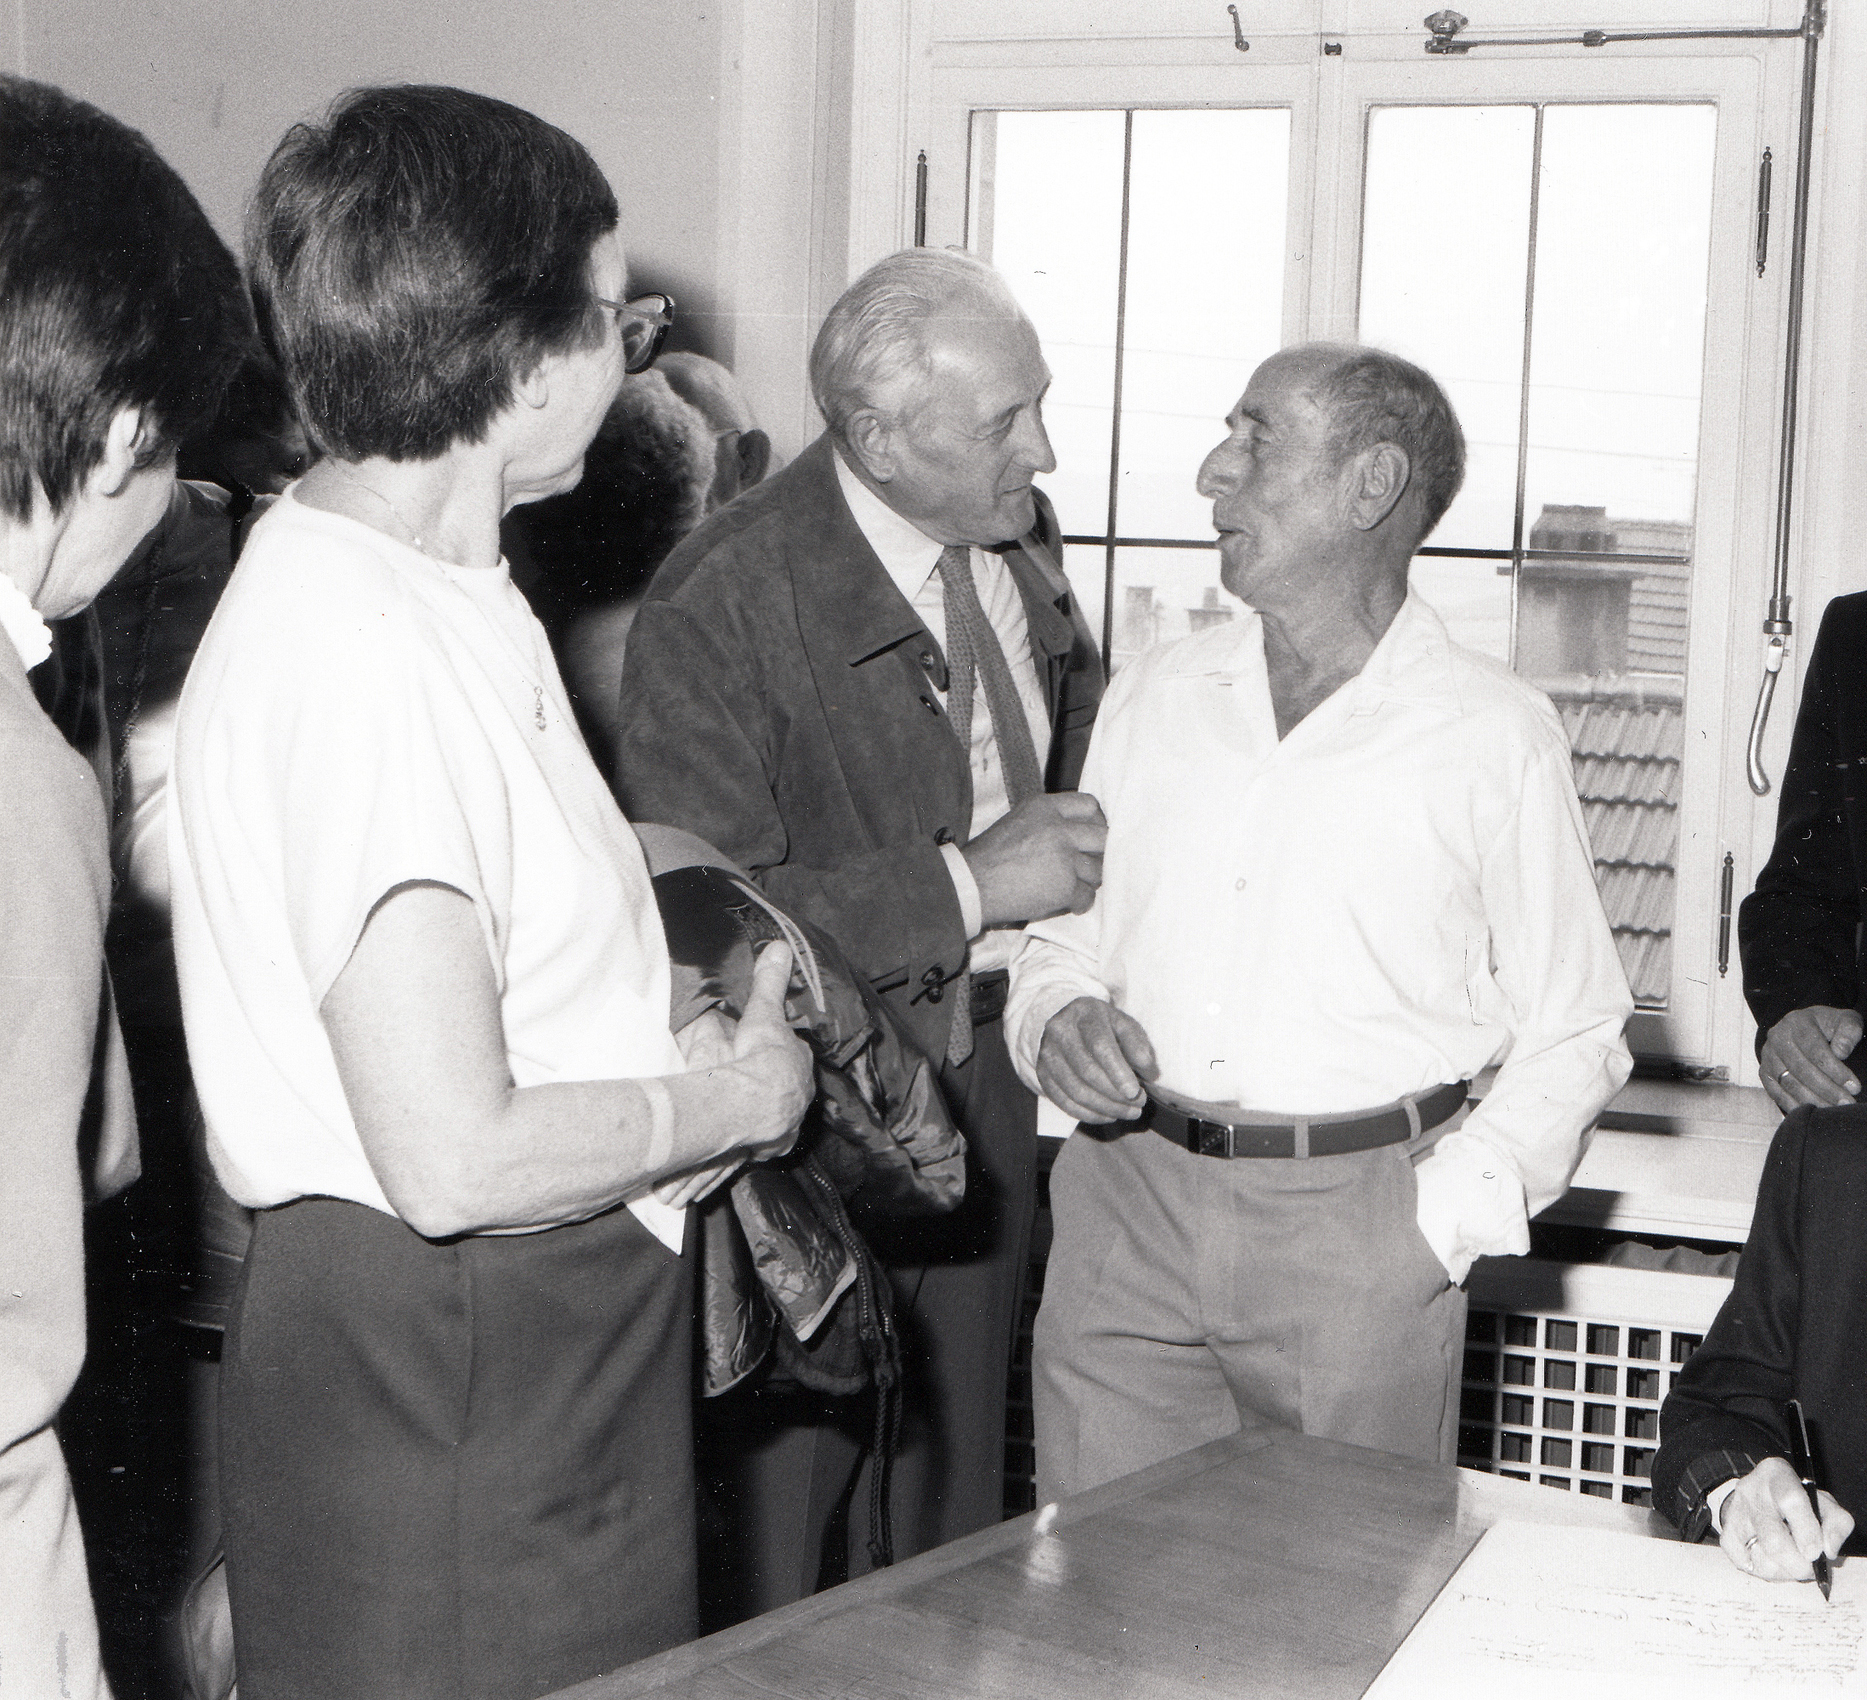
(126, 446)
(870, 439)
(754, 457)
(1382, 474)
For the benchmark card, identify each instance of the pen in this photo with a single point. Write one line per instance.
(1804, 1467)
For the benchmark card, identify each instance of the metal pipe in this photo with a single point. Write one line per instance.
(1121, 350)
(1523, 391)
(1448, 43)
(1778, 628)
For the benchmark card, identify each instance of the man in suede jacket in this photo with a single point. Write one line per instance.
(865, 681)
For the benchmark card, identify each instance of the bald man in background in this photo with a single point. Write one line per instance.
(678, 443)
(741, 451)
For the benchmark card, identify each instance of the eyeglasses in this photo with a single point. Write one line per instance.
(644, 325)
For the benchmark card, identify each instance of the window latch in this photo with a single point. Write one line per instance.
(1775, 648)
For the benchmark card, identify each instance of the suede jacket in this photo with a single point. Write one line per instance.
(776, 702)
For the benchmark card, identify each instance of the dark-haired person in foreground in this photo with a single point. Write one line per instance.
(1794, 1327)
(423, 974)
(121, 320)
(1346, 871)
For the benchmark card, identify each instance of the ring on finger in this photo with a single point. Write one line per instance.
(1750, 1555)
(1782, 1076)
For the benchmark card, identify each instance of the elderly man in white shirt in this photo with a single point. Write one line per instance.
(1345, 872)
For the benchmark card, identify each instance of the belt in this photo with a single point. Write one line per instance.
(1308, 1136)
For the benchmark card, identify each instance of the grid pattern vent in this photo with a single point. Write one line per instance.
(1566, 1392)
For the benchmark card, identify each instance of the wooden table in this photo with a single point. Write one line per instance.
(1264, 1564)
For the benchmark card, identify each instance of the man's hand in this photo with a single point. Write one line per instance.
(1767, 1528)
(1093, 1060)
(1041, 859)
(778, 1061)
(1804, 1059)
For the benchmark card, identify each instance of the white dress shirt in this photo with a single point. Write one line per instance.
(1396, 895)
(911, 559)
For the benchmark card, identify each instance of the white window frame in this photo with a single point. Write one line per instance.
(1017, 54)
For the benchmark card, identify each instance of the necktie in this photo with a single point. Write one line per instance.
(975, 658)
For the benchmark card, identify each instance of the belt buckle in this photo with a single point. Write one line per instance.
(1209, 1139)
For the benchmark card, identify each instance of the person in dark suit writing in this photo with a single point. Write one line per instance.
(1794, 1327)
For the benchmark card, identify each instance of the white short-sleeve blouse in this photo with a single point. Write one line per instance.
(361, 716)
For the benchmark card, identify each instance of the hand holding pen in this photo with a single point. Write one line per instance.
(1771, 1527)
(1804, 1465)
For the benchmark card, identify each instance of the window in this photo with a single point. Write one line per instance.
(1566, 241)
(1149, 308)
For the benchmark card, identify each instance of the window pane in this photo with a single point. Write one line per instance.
(1061, 256)
(1613, 374)
(1162, 594)
(1618, 345)
(1205, 299)
(1445, 251)
(1204, 296)
(1617, 353)
(1472, 597)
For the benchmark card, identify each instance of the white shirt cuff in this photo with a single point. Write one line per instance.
(1714, 1503)
(1028, 1012)
(1471, 1203)
(966, 889)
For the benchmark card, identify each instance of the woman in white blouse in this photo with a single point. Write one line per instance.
(424, 979)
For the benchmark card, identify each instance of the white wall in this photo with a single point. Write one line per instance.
(214, 83)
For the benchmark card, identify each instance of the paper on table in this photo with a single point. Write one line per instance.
(1534, 1607)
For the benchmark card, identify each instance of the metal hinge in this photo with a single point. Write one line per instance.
(1763, 213)
(1726, 878)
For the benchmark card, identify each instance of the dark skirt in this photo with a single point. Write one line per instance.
(459, 1469)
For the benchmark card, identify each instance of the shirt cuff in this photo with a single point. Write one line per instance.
(966, 889)
(1028, 1011)
(1714, 1503)
(1470, 1203)
(1709, 1478)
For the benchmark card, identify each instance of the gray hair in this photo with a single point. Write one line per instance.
(1373, 397)
(874, 337)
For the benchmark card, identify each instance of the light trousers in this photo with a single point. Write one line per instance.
(1188, 1297)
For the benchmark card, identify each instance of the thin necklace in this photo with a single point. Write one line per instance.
(344, 472)
(538, 690)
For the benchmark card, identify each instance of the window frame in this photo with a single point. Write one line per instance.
(1330, 97)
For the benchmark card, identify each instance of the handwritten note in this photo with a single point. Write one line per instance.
(1535, 1608)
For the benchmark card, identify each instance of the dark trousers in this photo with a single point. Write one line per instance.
(458, 1470)
(780, 1468)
